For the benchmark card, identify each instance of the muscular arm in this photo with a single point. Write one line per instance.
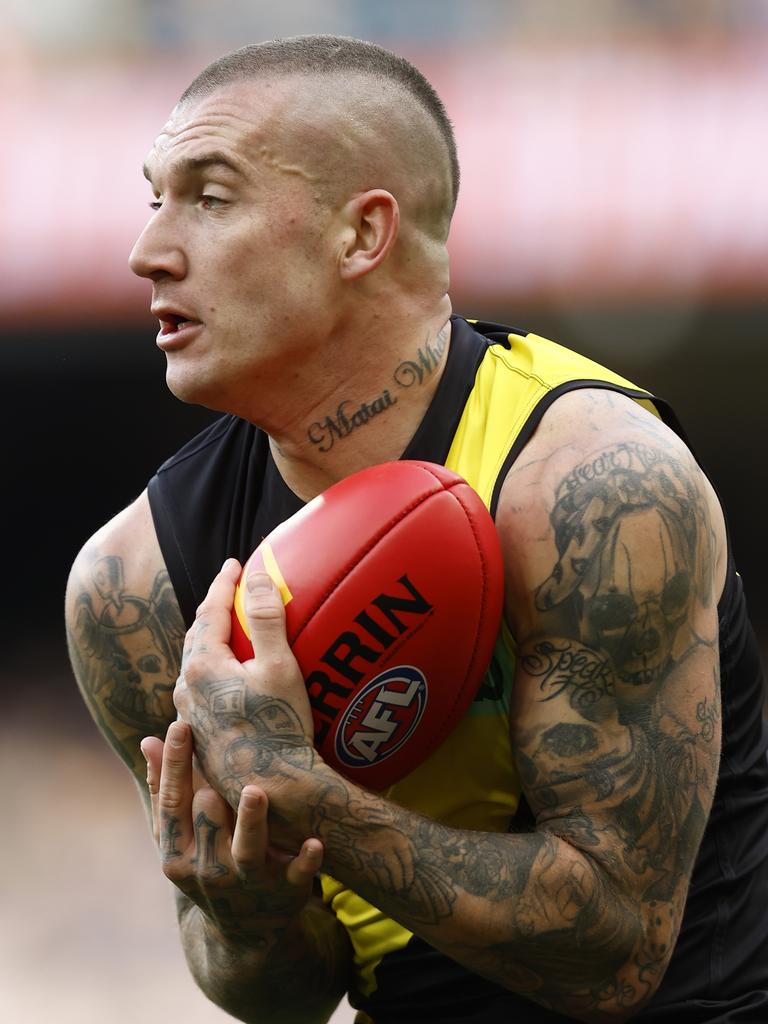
(612, 537)
(125, 634)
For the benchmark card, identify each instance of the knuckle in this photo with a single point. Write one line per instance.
(171, 799)
(176, 871)
(247, 870)
(208, 802)
(264, 609)
(278, 662)
(210, 877)
(195, 670)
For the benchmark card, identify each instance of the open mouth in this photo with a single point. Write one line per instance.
(170, 323)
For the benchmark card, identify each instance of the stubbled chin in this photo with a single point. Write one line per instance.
(194, 387)
(188, 387)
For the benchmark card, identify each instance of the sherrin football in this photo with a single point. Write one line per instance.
(392, 582)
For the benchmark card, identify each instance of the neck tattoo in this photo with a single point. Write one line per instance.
(351, 414)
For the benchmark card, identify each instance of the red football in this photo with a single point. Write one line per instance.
(393, 585)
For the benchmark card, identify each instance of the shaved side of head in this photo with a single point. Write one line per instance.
(370, 119)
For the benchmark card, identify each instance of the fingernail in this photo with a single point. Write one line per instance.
(260, 583)
(176, 734)
(251, 799)
(143, 752)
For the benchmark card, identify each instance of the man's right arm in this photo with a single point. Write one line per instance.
(125, 635)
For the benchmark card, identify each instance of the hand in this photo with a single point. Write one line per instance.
(251, 722)
(224, 865)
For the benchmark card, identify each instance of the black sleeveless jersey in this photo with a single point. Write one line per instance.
(222, 494)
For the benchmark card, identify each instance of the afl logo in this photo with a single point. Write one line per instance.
(382, 717)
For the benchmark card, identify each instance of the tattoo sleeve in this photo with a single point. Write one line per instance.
(125, 647)
(616, 732)
(255, 977)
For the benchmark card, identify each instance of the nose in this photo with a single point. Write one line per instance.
(158, 251)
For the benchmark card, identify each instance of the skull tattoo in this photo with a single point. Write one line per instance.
(628, 542)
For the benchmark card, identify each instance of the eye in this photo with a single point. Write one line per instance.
(149, 663)
(211, 202)
(674, 597)
(611, 611)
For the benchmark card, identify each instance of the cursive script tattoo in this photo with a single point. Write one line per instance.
(324, 433)
(570, 667)
(350, 416)
(428, 358)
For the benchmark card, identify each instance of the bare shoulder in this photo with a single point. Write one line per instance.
(603, 473)
(125, 631)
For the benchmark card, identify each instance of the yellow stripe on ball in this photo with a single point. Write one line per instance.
(270, 566)
(273, 570)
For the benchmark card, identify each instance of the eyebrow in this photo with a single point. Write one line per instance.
(191, 165)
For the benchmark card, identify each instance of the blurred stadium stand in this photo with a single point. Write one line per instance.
(614, 197)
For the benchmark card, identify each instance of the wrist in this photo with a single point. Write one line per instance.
(296, 798)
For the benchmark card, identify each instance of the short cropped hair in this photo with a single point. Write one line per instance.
(327, 54)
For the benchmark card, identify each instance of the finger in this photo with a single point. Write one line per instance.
(212, 825)
(152, 749)
(213, 621)
(249, 842)
(174, 800)
(307, 862)
(266, 617)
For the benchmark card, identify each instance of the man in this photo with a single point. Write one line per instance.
(303, 193)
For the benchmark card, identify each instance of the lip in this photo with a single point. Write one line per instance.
(177, 326)
(170, 341)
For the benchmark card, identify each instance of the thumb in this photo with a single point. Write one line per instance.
(266, 615)
(274, 664)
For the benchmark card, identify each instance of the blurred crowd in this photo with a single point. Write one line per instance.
(83, 25)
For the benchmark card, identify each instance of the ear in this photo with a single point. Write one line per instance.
(371, 226)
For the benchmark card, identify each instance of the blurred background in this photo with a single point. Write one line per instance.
(614, 198)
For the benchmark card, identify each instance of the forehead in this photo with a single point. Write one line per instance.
(233, 121)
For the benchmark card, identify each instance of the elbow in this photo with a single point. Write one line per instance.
(604, 969)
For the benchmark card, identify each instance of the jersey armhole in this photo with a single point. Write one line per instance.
(666, 415)
(170, 549)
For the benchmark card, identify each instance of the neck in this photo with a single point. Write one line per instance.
(369, 411)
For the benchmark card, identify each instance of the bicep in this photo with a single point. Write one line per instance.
(615, 712)
(125, 632)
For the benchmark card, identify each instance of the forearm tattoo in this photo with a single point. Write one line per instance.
(618, 762)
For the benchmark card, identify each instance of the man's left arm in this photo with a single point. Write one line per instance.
(616, 728)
